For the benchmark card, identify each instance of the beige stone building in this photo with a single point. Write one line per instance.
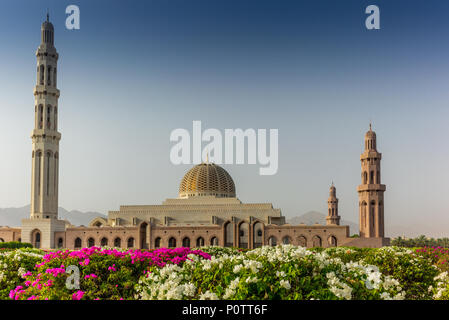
(206, 212)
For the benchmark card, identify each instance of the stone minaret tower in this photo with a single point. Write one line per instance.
(332, 203)
(45, 138)
(371, 191)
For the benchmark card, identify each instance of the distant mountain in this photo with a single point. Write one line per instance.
(12, 216)
(312, 217)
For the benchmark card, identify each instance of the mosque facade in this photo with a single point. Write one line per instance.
(207, 211)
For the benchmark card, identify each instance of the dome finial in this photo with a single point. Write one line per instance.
(207, 156)
(48, 15)
(370, 126)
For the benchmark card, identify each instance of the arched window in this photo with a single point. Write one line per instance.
(39, 165)
(48, 173)
(172, 242)
(200, 242)
(104, 242)
(364, 218)
(90, 242)
(41, 116)
(49, 76)
(55, 173)
(243, 235)
(55, 121)
(42, 75)
(257, 235)
(117, 242)
(378, 177)
(60, 242)
(37, 240)
(365, 177)
(143, 235)
(157, 242)
(286, 240)
(54, 76)
(77, 243)
(214, 241)
(332, 241)
(130, 243)
(381, 217)
(2, 240)
(272, 241)
(316, 240)
(372, 211)
(186, 242)
(48, 124)
(371, 176)
(229, 235)
(302, 241)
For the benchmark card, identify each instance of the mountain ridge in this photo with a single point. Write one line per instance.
(312, 217)
(12, 217)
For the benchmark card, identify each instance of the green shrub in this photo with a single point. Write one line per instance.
(104, 273)
(14, 264)
(281, 272)
(15, 245)
(415, 273)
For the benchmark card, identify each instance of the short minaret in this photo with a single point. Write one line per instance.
(45, 140)
(332, 203)
(371, 191)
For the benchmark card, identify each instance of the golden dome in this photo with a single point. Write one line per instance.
(207, 179)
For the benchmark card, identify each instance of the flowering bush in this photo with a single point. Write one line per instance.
(414, 272)
(14, 264)
(104, 273)
(282, 272)
(438, 255)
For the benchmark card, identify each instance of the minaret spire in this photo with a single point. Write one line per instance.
(332, 204)
(43, 223)
(371, 191)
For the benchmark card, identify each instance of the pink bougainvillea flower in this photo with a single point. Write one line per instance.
(78, 295)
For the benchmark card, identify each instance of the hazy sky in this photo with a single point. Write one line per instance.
(137, 70)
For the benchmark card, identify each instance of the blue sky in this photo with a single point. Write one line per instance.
(136, 70)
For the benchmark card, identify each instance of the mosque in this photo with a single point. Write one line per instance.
(206, 212)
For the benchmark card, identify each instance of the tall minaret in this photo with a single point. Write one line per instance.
(45, 136)
(332, 203)
(43, 223)
(371, 191)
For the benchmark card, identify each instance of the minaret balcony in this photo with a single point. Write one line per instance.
(47, 133)
(371, 187)
(45, 89)
(369, 154)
